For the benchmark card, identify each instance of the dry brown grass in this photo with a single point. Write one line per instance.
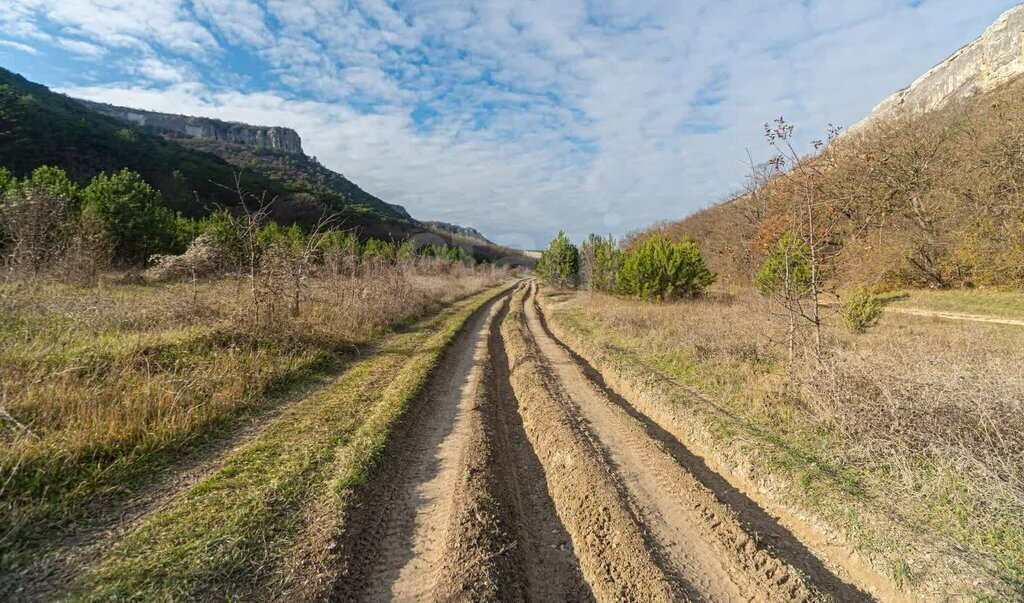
(935, 411)
(921, 419)
(99, 385)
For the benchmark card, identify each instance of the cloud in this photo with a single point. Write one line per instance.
(82, 48)
(157, 70)
(19, 46)
(518, 117)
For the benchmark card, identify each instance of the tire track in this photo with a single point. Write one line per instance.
(551, 569)
(519, 476)
(446, 515)
(701, 537)
(818, 568)
(616, 556)
(950, 315)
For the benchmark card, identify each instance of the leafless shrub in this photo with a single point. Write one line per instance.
(46, 239)
(38, 226)
(88, 254)
(959, 404)
(200, 260)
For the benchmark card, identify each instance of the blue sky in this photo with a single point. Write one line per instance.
(519, 118)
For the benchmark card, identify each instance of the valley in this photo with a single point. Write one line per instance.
(228, 372)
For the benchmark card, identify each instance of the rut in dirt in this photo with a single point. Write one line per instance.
(518, 475)
(754, 519)
(458, 507)
(709, 536)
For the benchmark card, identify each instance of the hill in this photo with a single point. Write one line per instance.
(193, 162)
(465, 231)
(983, 65)
(927, 191)
(270, 150)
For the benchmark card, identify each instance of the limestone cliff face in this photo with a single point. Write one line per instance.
(181, 126)
(991, 60)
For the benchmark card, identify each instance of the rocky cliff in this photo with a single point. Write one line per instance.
(466, 231)
(181, 126)
(993, 59)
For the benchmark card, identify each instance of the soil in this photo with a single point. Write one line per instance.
(955, 316)
(518, 475)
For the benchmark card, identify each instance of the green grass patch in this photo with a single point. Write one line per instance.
(232, 530)
(985, 302)
(115, 385)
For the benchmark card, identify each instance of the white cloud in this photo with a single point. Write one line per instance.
(241, 20)
(19, 46)
(539, 114)
(132, 24)
(82, 48)
(157, 70)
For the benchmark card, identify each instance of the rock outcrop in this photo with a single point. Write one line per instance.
(993, 59)
(181, 126)
(466, 231)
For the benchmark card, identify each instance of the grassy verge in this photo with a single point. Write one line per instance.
(104, 388)
(982, 302)
(234, 529)
(903, 440)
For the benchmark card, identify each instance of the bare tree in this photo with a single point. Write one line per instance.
(814, 218)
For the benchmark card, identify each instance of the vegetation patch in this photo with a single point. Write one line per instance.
(105, 387)
(880, 438)
(226, 538)
(981, 302)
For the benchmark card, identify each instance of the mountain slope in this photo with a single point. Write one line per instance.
(40, 127)
(183, 126)
(995, 58)
(271, 150)
(927, 191)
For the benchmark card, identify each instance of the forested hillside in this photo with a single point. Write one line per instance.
(465, 231)
(928, 200)
(39, 127)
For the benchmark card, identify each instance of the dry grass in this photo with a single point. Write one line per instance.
(99, 386)
(935, 412)
(266, 521)
(919, 419)
(984, 302)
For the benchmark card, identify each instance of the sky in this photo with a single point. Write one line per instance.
(519, 118)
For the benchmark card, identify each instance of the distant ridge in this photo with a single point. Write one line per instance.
(182, 126)
(194, 168)
(465, 231)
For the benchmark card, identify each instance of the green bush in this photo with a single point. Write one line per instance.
(659, 269)
(560, 263)
(227, 234)
(375, 248)
(861, 311)
(133, 215)
(600, 258)
(340, 241)
(787, 271)
(7, 182)
(55, 182)
(185, 231)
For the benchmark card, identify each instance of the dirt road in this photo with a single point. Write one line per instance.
(519, 476)
(947, 315)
